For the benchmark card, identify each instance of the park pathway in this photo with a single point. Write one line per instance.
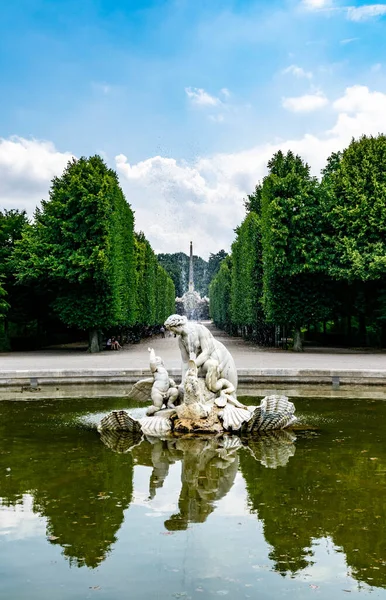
(246, 355)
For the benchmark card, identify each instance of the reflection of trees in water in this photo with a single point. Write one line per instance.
(327, 489)
(83, 488)
(76, 482)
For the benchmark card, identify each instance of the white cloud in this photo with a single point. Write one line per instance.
(221, 107)
(305, 104)
(353, 13)
(360, 111)
(21, 522)
(316, 4)
(366, 12)
(176, 201)
(26, 170)
(348, 41)
(200, 97)
(297, 72)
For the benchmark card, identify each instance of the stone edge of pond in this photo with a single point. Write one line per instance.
(34, 378)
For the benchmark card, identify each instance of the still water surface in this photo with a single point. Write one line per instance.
(295, 516)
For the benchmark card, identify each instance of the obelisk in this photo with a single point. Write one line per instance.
(191, 280)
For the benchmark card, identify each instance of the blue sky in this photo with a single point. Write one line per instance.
(190, 95)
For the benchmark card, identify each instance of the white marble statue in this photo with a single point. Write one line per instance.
(195, 405)
(215, 383)
(164, 389)
(197, 342)
(206, 400)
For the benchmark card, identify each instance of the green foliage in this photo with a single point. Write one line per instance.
(155, 292)
(82, 243)
(4, 306)
(246, 284)
(79, 485)
(174, 265)
(220, 294)
(12, 224)
(329, 488)
(214, 264)
(292, 227)
(81, 255)
(253, 201)
(177, 267)
(357, 211)
(306, 253)
(17, 305)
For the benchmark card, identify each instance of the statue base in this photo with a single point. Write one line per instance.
(274, 413)
(209, 424)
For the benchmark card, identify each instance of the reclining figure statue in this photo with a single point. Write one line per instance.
(205, 401)
(196, 342)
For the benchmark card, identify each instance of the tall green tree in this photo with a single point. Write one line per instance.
(175, 266)
(358, 210)
(155, 291)
(355, 184)
(246, 288)
(21, 300)
(146, 274)
(214, 264)
(292, 227)
(4, 306)
(81, 241)
(220, 295)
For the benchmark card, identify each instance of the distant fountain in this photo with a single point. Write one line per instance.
(191, 304)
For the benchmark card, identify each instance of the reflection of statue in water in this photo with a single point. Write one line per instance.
(209, 468)
(273, 449)
(206, 400)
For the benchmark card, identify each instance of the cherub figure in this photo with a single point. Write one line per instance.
(164, 389)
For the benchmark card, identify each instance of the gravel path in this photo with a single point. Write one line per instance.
(246, 355)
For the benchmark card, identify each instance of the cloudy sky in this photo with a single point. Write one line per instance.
(186, 99)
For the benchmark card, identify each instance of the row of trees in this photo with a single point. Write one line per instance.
(80, 262)
(311, 254)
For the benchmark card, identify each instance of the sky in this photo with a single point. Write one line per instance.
(186, 99)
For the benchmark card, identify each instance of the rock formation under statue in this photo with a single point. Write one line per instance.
(205, 402)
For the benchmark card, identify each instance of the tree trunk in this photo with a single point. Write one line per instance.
(298, 347)
(93, 341)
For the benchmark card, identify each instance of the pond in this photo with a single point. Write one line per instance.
(292, 515)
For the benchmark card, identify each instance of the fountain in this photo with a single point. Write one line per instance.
(205, 402)
(191, 304)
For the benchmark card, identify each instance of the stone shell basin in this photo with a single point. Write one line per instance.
(206, 417)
